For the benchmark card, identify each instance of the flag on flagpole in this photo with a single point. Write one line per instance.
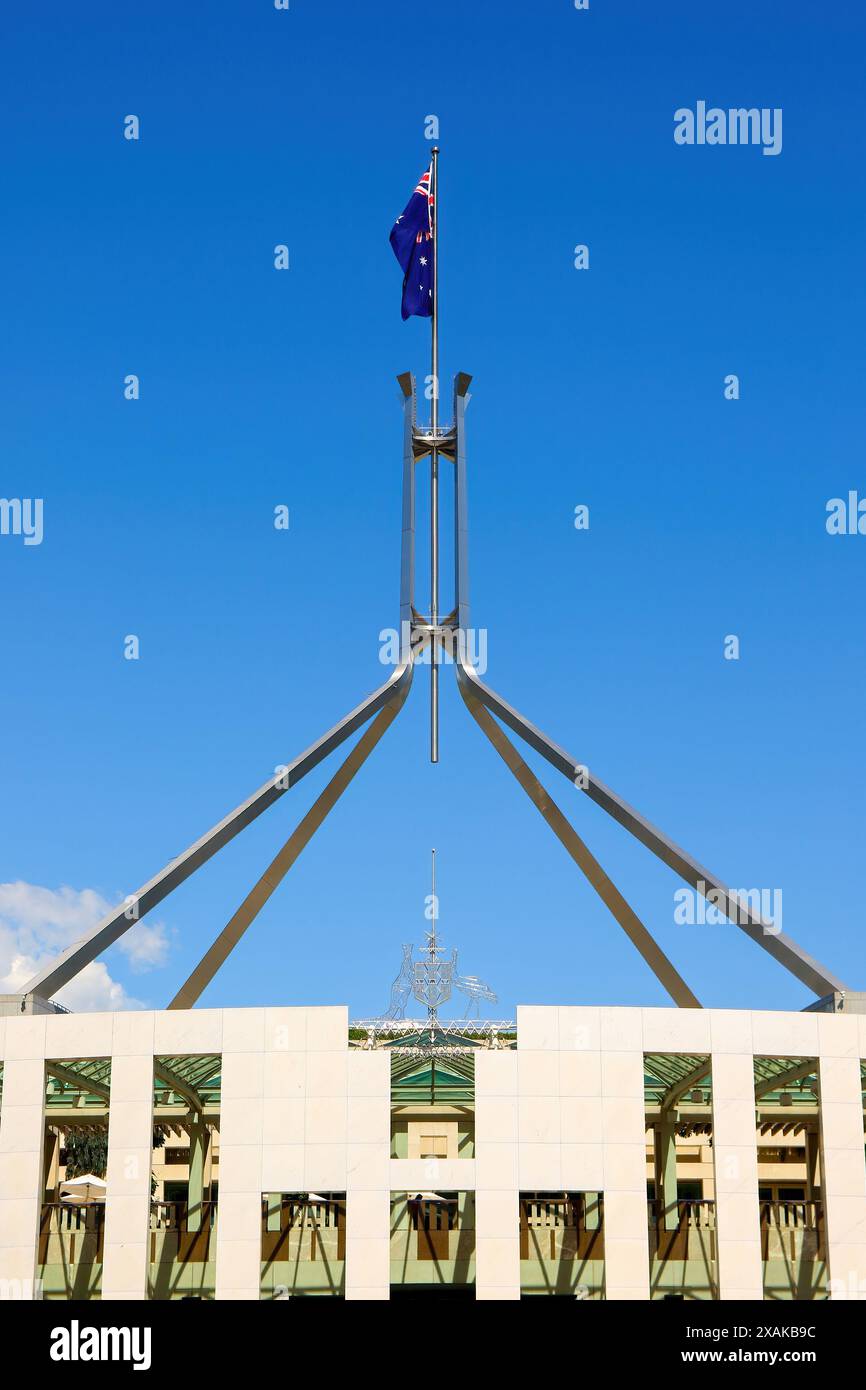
(412, 240)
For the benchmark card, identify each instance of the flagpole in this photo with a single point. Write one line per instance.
(434, 465)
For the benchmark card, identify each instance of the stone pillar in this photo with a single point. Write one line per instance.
(666, 1168)
(130, 1159)
(239, 1218)
(623, 1119)
(21, 1131)
(592, 1210)
(497, 1217)
(813, 1164)
(51, 1165)
(738, 1232)
(368, 1194)
(199, 1162)
(843, 1178)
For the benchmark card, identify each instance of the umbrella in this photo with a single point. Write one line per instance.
(86, 1188)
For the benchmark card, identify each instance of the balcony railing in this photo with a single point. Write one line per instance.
(553, 1227)
(691, 1214)
(792, 1216)
(691, 1238)
(299, 1229)
(77, 1228)
(171, 1236)
(793, 1230)
(174, 1216)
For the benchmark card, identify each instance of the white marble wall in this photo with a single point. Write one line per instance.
(735, 1158)
(21, 1153)
(283, 1124)
(842, 1153)
(497, 1179)
(130, 1152)
(368, 1183)
(563, 1112)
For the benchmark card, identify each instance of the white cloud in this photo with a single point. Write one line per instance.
(145, 946)
(38, 923)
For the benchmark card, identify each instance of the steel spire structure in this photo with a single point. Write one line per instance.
(445, 444)
(433, 977)
(434, 459)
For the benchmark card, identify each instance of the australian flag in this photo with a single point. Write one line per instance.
(412, 240)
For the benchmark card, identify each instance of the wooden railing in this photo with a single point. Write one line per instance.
(171, 1220)
(297, 1217)
(792, 1216)
(693, 1235)
(174, 1216)
(692, 1213)
(799, 1225)
(556, 1227)
(80, 1228)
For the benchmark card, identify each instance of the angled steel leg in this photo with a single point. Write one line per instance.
(664, 971)
(812, 974)
(62, 969)
(66, 966)
(808, 970)
(200, 978)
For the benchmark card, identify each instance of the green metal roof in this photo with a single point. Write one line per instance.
(794, 1077)
(182, 1082)
(200, 1075)
(432, 1080)
(671, 1077)
(666, 1073)
(80, 1082)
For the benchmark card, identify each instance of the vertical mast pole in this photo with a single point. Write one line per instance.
(434, 465)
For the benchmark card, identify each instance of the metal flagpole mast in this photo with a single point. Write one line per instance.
(431, 1012)
(432, 979)
(434, 464)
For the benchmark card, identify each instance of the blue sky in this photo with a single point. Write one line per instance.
(259, 388)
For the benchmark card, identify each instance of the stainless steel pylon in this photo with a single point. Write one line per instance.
(378, 711)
